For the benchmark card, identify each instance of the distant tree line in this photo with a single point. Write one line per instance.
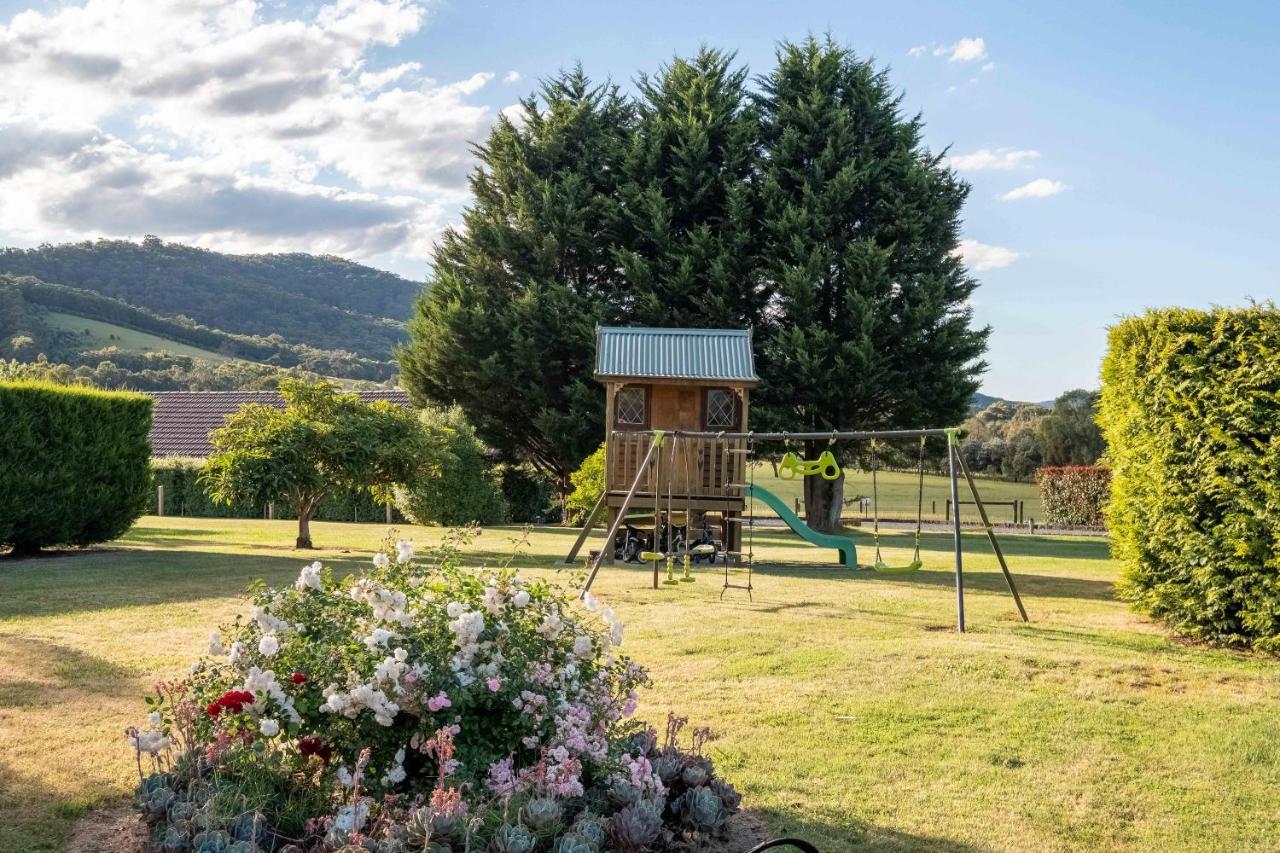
(1012, 440)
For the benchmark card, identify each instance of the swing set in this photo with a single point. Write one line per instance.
(678, 547)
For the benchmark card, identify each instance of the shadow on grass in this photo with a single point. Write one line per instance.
(59, 668)
(855, 836)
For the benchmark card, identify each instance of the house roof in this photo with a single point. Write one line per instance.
(722, 355)
(182, 420)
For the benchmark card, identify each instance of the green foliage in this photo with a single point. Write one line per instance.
(73, 464)
(528, 495)
(588, 485)
(1075, 495)
(1070, 434)
(461, 487)
(870, 326)
(506, 328)
(1004, 439)
(320, 443)
(184, 495)
(1191, 413)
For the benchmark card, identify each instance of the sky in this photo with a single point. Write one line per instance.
(1121, 156)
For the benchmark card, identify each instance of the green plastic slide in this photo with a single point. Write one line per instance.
(843, 544)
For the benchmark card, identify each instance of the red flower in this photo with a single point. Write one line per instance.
(233, 701)
(315, 746)
(297, 678)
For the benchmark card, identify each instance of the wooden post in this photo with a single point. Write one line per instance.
(388, 513)
(587, 527)
(271, 510)
(160, 499)
(641, 470)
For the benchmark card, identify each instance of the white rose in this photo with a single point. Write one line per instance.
(215, 644)
(269, 727)
(268, 645)
(404, 551)
(155, 720)
(582, 646)
(455, 609)
(520, 599)
(381, 560)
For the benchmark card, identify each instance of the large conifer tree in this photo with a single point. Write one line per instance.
(506, 325)
(869, 324)
(689, 197)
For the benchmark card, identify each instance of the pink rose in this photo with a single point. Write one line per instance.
(495, 685)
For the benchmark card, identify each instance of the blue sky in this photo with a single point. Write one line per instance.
(1146, 133)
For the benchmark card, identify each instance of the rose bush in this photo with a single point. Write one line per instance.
(419, 705)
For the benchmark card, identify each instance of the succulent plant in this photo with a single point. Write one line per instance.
(155, 802)
(251, 827)
(591, 828)
(512, 839)
(542, 815)
(211, 841)
(244, 847)
(668, 766)
(573, 843)
(636, 828)
(174, 841)
(697, 771)
(728, 795)
(623, 793)
(700, 808)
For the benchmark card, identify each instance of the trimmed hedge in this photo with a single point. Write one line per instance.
(1074, 495)
(73, 464)
(184, 496)
(1191, 412)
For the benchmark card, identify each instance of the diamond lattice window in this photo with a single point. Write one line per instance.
(722, 411)
(629, 404)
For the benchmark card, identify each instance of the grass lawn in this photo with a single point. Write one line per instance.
(849, 710)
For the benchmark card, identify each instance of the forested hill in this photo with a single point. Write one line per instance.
(315, 300)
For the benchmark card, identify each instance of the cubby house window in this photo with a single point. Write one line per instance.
(631, 406)
(722, 409)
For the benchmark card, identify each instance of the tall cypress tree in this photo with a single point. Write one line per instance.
(505, 327)
(689, 197)
(869, 324)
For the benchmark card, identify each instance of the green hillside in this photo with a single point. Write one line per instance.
(97, 335)
(321, 302)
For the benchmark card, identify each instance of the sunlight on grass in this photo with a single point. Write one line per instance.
(849, 710)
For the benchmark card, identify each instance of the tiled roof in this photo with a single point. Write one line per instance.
(182, 420)
(710, 354)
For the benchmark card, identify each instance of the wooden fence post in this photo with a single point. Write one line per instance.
(160, 499)
(388, 513)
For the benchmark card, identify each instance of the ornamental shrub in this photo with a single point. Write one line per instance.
(1074, 495)
(588, 485)
(462, 488)
(528, 495)
(420, 706)
(73, 464)
(1191, 413)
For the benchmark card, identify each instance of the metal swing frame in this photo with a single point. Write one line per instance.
(955, 470)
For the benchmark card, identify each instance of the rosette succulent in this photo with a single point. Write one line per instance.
(573, 843)
(697, 771)
(701, 809)
(636, 828)
(513, 838)
(542, 815)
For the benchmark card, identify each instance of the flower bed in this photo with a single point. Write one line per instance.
(420, 706)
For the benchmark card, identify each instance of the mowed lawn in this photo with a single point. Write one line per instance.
(849, 710)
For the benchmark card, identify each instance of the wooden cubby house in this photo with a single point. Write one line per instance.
(697, 380)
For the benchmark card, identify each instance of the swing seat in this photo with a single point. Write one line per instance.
(652, 556)
(883, 568)
(702, 550)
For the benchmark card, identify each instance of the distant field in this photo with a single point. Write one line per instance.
(898, 494)
(126, 339)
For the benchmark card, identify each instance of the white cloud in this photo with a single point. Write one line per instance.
(214, 122)
(1039, 188)
(981, 256)
(918, 50)
(511, 77)
(966, 50)
(990, 66)
(987, 159)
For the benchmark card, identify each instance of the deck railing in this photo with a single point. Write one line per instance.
(689, 467)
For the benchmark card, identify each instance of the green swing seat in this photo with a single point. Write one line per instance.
(880, 566)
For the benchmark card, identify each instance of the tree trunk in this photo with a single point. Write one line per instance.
(304, 528)
(823, 499)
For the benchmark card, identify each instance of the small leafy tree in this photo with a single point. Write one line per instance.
(320, 442)
(464, 488)
(1070, 434)
(588, 486)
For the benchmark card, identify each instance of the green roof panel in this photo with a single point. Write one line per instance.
(700, 354)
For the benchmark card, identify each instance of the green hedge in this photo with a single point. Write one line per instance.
(1074, 495)
(1191, 413)
(73, 464)
(184, 496)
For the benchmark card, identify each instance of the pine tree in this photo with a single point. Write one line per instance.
(869, 325)
(689, 197)
(505, 328)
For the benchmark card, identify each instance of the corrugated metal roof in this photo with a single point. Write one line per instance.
(710, 354)
(182, 420)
